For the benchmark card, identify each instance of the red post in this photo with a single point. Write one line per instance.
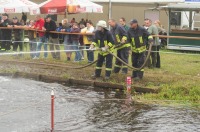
(52, 111)
(128, 84)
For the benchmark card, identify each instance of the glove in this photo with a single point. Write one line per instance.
(123, 41)
(104, 49)
(92, 46)
(107, 47)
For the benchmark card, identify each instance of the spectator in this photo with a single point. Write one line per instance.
(24, 18)
(52, 38)
(86, 21)
(6, 33)
(32, 38)
(122, 22)
(17, 34)
(73, 20)
(82, 26)
(39, 24)
(67, 42)
(87, 40)
(153, 30)
(159, 26)
(162, 41)
(75, 42)
(82, 22)
(60, 35)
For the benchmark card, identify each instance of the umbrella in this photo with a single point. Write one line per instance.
(15, 6)
(72, 6)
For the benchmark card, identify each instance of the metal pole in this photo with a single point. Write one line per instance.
(190, 20)
(110, 11)
(52, 111)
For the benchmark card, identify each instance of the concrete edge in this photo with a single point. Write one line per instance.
(60, 80)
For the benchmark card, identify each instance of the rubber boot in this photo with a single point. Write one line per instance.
(134, 74)
(108, 74)
(140, 74)
(97, 72)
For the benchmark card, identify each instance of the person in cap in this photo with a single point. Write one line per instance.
(52, 38)
(120, 37)
(6, 33)
(17, 34)
(138, 37)
(103, 39)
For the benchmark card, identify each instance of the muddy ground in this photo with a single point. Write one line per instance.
(62, 70)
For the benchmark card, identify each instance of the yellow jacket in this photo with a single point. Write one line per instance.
(85, 37)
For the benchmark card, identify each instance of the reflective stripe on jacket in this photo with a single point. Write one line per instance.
(138, 38)
(120, 33)
(102, 39)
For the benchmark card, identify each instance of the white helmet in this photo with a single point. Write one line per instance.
(102, 24)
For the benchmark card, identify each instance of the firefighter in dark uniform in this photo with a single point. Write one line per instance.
(103, 39)
(138, 38)
(120, 37)
(6, 33)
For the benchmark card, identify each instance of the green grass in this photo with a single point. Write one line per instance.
(178, 78)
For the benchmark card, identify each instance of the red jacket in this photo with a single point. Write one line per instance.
(39, 24)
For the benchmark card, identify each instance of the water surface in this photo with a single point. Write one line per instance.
(25, 107)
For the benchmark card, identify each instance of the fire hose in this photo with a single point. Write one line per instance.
(131, 67)
(98, 49)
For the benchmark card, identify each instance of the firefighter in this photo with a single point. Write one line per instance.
(6, 33)
(103, 39)
(120, 38)
(138, 37)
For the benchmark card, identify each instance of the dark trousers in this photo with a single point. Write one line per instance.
(151, 63)
(137, 61)
(16, 44)
(90, 54)
(54, 48)
(158, 57)
(124, 55)
(99, 64)
(6, 40)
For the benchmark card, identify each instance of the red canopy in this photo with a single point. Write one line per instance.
(53, 6)
(72, 6)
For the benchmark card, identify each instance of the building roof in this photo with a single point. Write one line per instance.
(183, 6)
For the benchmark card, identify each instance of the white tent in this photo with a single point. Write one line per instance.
(15, 6)
(86, 6)
(140, 1)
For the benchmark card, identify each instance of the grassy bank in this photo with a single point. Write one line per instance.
(178, 78)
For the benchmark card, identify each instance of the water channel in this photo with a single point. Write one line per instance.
(25, 107)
